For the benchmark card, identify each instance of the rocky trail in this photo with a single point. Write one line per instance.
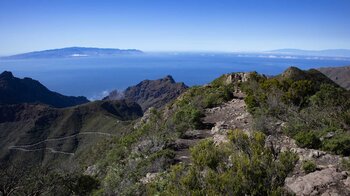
(328, 179)
(229, 116)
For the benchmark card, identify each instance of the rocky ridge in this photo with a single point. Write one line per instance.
(219, 120)
(329, 178)
(151, 93)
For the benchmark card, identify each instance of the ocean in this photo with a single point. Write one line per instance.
(94, 77)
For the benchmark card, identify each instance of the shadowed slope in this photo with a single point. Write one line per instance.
(15, 90)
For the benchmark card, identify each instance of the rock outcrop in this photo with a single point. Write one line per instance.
(237, 77)
(153, 93)
(328, 181)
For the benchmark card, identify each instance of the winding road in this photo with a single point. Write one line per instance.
(51, 150)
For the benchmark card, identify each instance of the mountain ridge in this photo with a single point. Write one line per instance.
(14, 90)
(151, 93)
(71, 52)
(340, 75)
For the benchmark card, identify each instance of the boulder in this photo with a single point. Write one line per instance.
(325, 181)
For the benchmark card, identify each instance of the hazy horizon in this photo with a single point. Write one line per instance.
(180, 51)
(156, 26)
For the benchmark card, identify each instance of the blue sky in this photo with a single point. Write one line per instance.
(174, 25)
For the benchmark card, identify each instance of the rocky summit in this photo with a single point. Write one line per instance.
(152, 93)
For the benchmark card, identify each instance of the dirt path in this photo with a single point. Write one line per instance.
(41, 149)
(230, 115)
(26, 148)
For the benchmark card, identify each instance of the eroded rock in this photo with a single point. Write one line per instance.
(327, 181)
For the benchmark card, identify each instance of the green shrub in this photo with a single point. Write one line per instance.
(329, 96)
(339, 144)
(187, 117)
(241, 167)
(346, 117)
(287, 160)
(270, 84)
(251, 102)
(299, 92)
(346, 163)
(203, 157)
(216, 96)
(83, 185)
(309, 166)
(219, 81)
(308, 139)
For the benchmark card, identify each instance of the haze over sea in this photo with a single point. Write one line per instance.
(94, 77)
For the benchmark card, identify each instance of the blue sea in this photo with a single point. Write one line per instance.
(94, 77)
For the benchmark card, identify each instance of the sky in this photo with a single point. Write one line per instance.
(174, 25)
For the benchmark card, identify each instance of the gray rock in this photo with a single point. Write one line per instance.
(149, 178)
(315, 183)
(330, 135)
(92, 170)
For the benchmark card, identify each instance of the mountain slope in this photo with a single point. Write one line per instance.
(153, 93)
(14, 90)
(40, 134)
(74, 52)
(295, 74)
(340, 75)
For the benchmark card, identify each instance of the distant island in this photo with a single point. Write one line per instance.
(325, 53)
(71, 52)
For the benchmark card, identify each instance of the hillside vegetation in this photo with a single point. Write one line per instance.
(315, 111)
(29, 132)
(144, 160)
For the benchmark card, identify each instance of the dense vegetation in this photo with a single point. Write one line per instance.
(315, 111)
(31, 180)
(242, 166)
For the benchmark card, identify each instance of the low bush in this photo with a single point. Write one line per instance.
(339, 144)
(187, 117)
(299, 92)
(202, 157)
(251, 102)
(346, 164)
(308, 139)
(241, 167)
(309, 166)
